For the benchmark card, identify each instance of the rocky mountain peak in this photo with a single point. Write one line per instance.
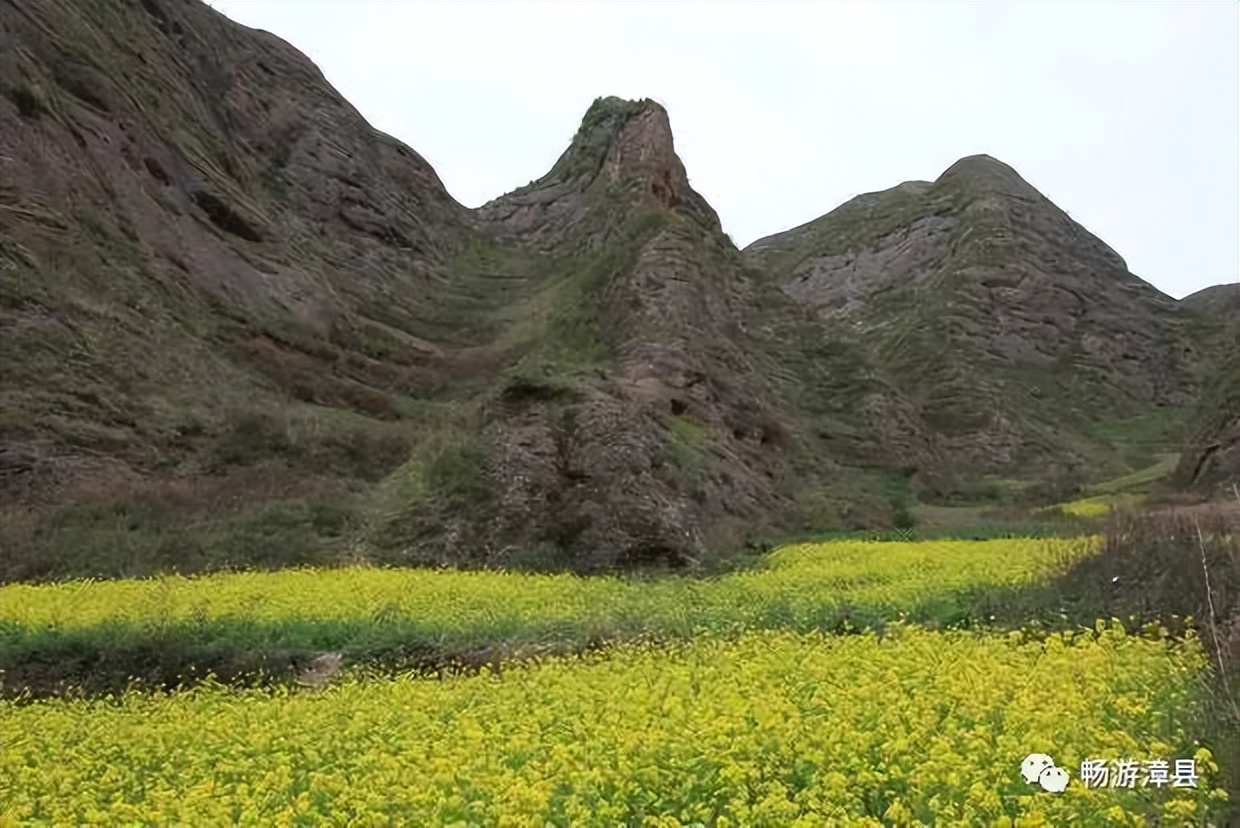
(983, 174)
(993, 198)
(622, 153)
(619, 138)
(642, 152)
(624, 145)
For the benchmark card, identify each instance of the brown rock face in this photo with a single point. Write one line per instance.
(1212, 462)
(642, 152)
(244, 253)
(837, 284)
(201, 243)
(167, 122)
(674, 445)
(622, 153)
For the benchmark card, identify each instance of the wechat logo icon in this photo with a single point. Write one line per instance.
(1039, 769)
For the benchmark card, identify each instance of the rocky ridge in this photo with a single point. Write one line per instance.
(244, 327)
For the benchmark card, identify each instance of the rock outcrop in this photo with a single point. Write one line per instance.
(652, 438)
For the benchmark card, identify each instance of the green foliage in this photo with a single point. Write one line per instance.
(307, 438)
(1220, 399)
(559, 329)
(137, 536)
(1161, 430)
(458, 472)
(720, 685)
(537, 377)
(900, 496)
(445, 476)
(602, 121)
(687, 442)
(1141, 480)
(28, 99)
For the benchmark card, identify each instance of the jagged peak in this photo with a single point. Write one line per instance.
(624, 149)
(623, 139)
(610, 113)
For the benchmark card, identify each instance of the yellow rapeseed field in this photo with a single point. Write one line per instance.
(802, 579)
(743, 719)
(1097, 506)
(770, 729)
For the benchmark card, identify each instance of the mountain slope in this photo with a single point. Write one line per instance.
(242, 327)
(215, 278)
(160, 189)
(235, 305)
(632, 427)
(993, 333)
(1210, 461)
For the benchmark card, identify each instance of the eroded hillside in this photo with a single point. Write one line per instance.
(1210, 462)
(969, 326)
(242, 327)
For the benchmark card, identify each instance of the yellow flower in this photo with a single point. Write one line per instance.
(757, 726)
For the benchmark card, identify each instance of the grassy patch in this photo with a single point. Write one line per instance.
(136, 536)
(1141, 480)
(1159, 429)
(537, 378)
(687, 441)
(445, 475)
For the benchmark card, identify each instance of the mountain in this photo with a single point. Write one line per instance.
(230, 303)
(1215, 301)
(965, 327)
(241, 327)
(629, 424)
(214, 269)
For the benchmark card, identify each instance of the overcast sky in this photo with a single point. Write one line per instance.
(1127, 115)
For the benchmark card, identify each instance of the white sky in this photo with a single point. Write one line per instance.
(1127, 115)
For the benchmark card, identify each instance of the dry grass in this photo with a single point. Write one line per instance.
(1196, 552)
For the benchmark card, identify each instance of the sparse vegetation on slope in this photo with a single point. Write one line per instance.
(1210, 462)
(243, 328)
(954, 330)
